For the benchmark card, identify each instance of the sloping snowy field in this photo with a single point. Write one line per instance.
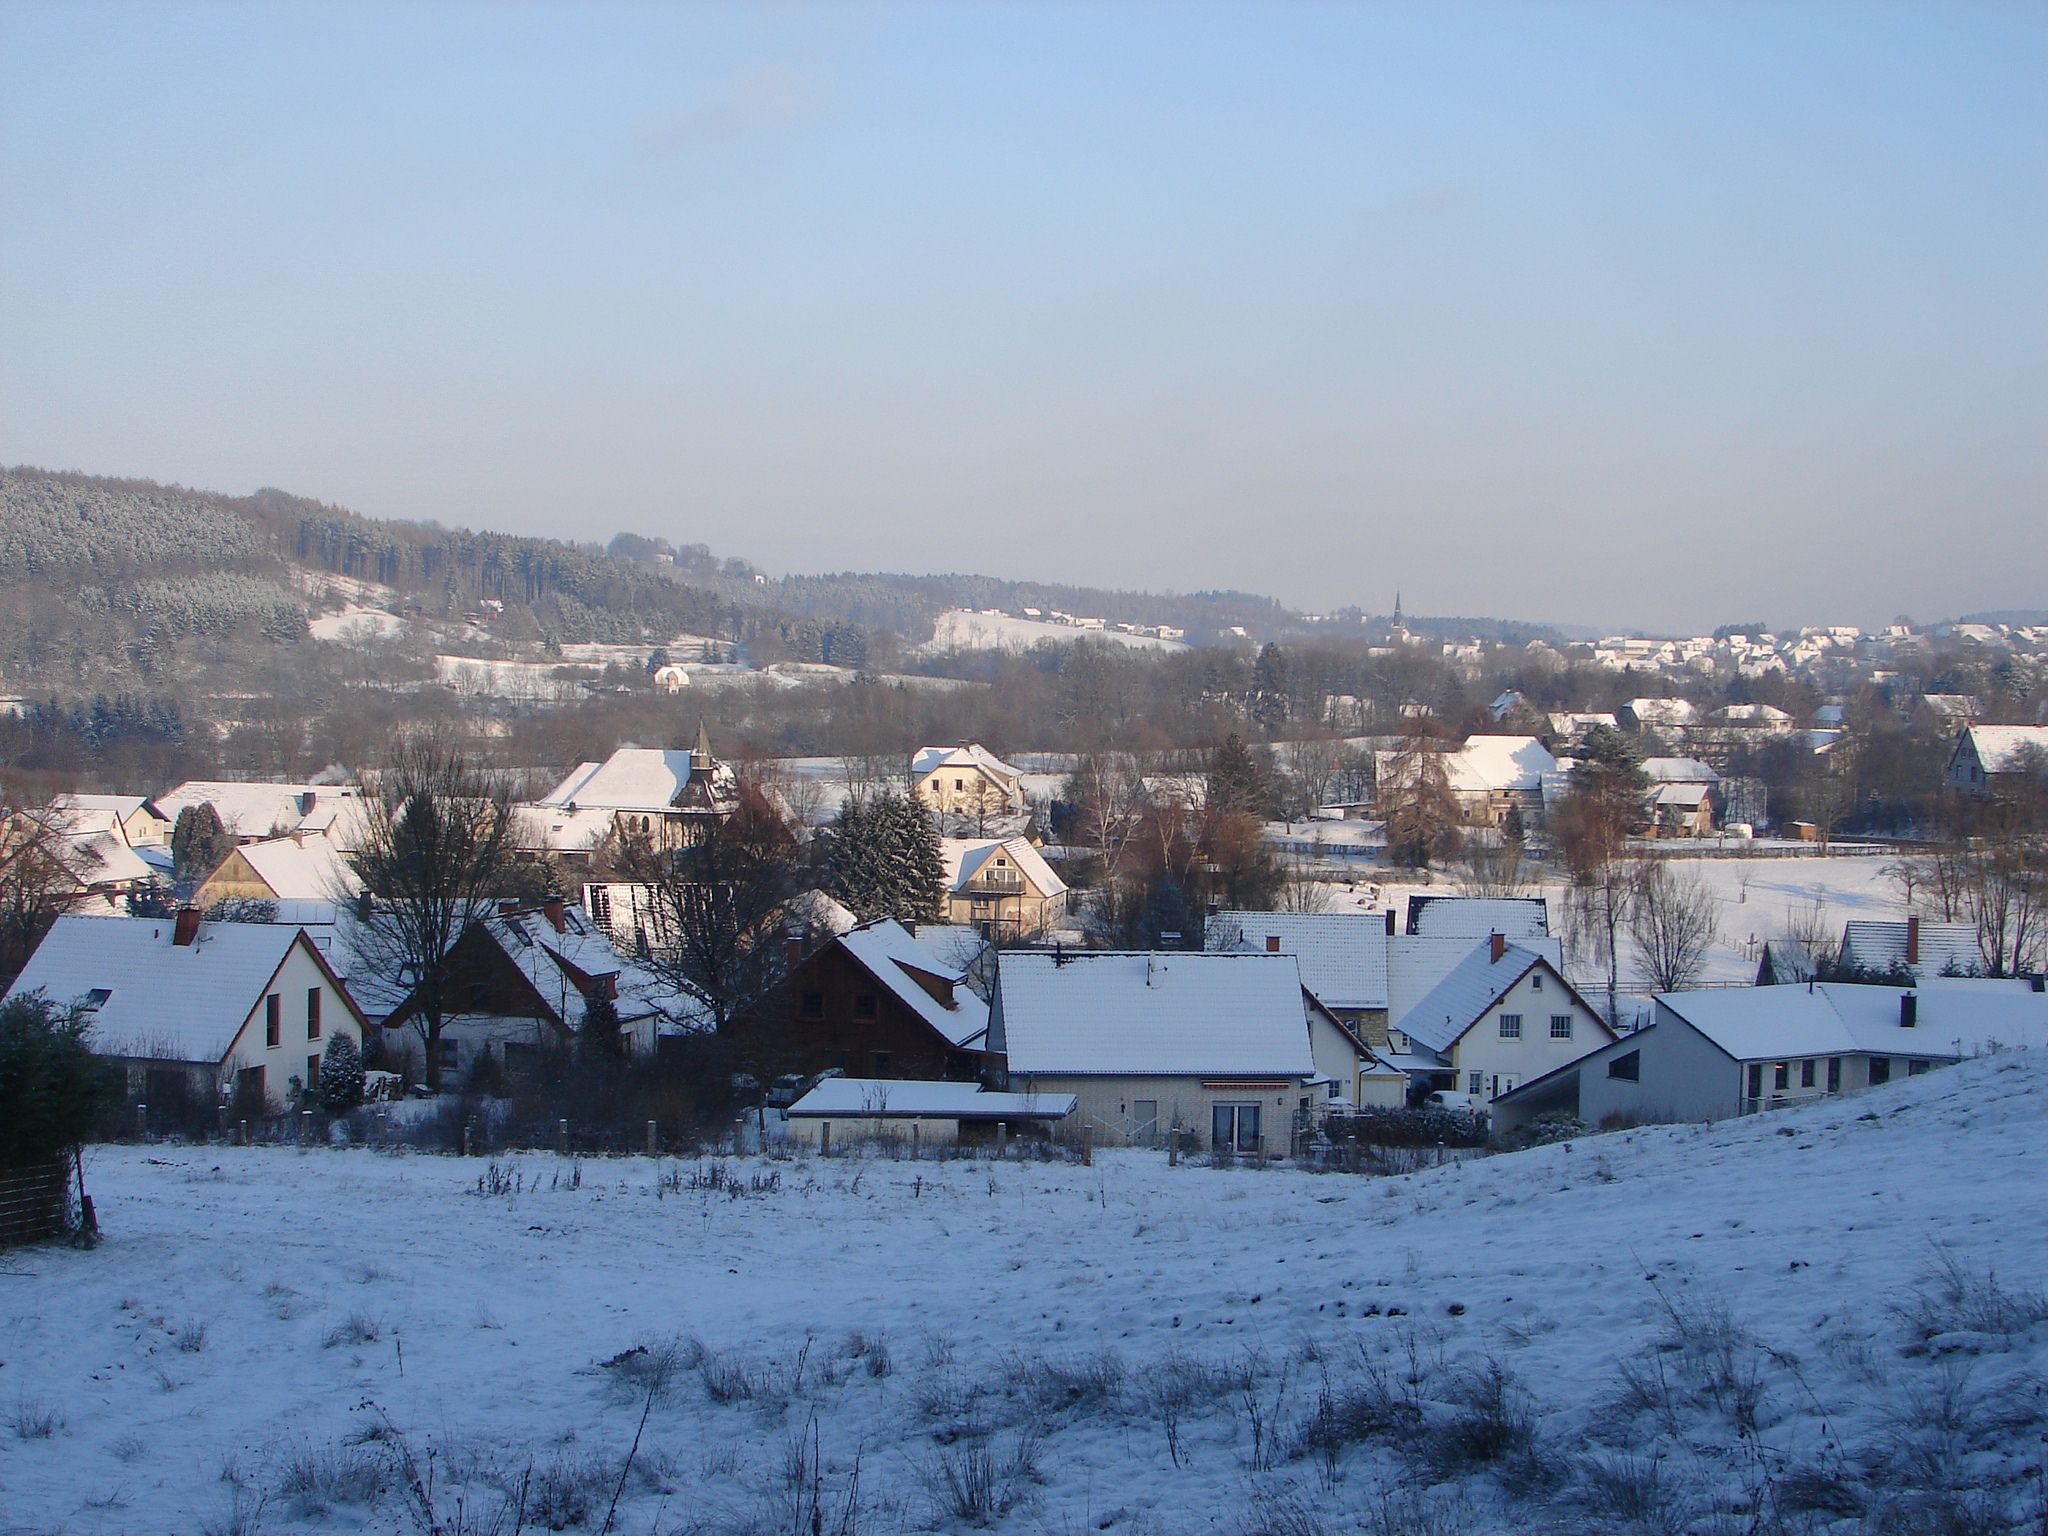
(1823, 1319)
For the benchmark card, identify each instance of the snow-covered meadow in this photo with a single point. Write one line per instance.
(1824, 1319)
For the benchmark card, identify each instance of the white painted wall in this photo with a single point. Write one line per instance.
(1503, 1063)
(287, 1059)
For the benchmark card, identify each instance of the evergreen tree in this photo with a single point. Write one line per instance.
(199, 845)
(1240, 781)
(885, 859)
(341, 1075)
(603, 1037)
(52, 1087)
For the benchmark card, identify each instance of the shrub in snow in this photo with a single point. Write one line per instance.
(52, 1088)
(341, 1075)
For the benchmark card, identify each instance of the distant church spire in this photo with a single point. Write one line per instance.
(1399, 628)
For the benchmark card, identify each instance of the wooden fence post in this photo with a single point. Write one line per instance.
(241, 1133)
(142, 1122)
(561, 1138)
(653, 1142)
(916, 1138)
(305, 1126)
(1173, 1147)
(1003, 1140)
(824, 1138)
(1087, 1146)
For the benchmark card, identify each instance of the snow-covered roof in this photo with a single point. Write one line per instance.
(1751, 714)
(310, 871)
(2000, 747)
(1662, 712)
(972, 755)
(1162, 1014)
(104, 858)
(1831, 1018)
(1483, 765)
(891, 954)
(254, 810)
(647, 779)
(1417, 964)
(1342, 955)
(1473, 985)
(967, 858)
(1681, 796)
(1679, 770)
(180, 1002)
(908, 1099)
(1501, 763)
(559, 962)
(80, 814)
(557, 829)
(1879, 944)
(1570, 722)
(1474, 917)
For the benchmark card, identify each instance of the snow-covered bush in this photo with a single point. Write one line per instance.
(341, 1075)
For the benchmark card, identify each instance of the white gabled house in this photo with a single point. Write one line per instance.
(1001, 886)
(967, 780)
(1503, 1015)
(196, 1011)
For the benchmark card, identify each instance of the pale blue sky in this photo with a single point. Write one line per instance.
(1650, 314)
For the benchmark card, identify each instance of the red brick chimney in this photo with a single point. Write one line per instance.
(1272, 943)
(185, 928)
(556, 911)
(1912, 940)
(792, 951)
(1499, 945)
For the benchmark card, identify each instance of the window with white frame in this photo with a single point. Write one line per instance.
(1511, 1026)
(1560, 1026)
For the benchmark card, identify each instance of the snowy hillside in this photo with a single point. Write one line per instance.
(1820, 1320)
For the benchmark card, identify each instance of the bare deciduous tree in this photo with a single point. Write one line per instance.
(1673, 921)
(438, 848)
(712, 914)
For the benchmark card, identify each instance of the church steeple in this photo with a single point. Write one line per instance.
(700, 755)
(1399, 628)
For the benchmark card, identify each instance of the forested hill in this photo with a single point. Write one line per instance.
(110, 584)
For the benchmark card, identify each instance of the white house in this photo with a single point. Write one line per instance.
(966, 780)
(132, 818)
(1215, 1045)
(1504, 1014)
(196, 1011)
(1369, 975)
(1708, 1055)
(1002, 886)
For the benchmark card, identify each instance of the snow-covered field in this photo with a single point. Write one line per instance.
(965, 630)
(355, 623)
(1791, 1322)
